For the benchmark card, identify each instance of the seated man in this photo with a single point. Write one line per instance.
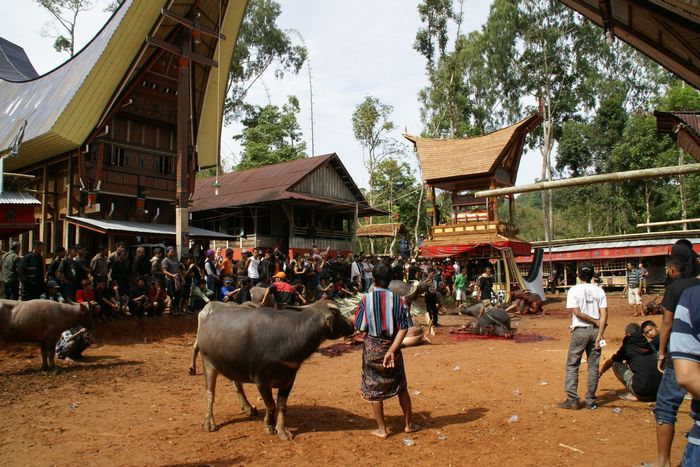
(73, 342)
(87, 295)
(651, 332)
(158, 299)
(138, 297)
(284, 293)
(52, 292)
(200, 296)
(634, 365)
(227, 291)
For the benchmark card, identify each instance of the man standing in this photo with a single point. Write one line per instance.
(681, 269)
(98, 265)
(8, 274)
(31, 273)
(173, 280)
(384, 318)
(67, 274)
(461, 287)
(685, 352)
(485, 285)
(632, 284)
(140, 267)
(589, 317)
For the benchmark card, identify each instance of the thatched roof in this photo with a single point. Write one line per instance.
(380, 230)
(471, 163)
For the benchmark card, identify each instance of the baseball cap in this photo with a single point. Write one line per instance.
(51, 285)
(210, 252)
(228, 280)
(280, 275)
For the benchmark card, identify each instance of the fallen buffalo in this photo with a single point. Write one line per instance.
(41, 321)
(264, 346)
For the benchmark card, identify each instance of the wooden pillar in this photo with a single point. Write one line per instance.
(69, 200)
(436, 221)
(181, 186)
(44, 189)
(511, 208)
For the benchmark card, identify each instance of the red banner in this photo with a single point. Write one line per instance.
(441, 251)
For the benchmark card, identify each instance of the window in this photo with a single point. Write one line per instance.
(165, 165)
(118, 157)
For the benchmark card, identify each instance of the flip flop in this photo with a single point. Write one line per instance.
(628, 397)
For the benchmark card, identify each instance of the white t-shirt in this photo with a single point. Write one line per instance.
(589, 299)
(253, 268)
(456, 267)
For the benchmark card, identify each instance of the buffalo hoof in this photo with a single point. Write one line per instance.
(270, 430)
(285, 435)
(209, 425)
(250, 411)
(192, 371)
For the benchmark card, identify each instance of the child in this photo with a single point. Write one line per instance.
(158, 299)
(87, 295)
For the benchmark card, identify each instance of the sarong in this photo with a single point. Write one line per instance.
(378, 382)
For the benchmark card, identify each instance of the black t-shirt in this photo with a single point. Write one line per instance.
(431, 300)
(486, 286)
(641, 358)
(674, 290)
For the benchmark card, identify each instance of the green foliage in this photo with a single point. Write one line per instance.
(260, 45)
(65, 14)
(679, 97)
(271, 135)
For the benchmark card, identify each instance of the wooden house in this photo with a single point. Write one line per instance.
(462, 166)
(114, 135)
(292, 206)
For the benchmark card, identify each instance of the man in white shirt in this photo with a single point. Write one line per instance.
(456, 267)
(589, 318)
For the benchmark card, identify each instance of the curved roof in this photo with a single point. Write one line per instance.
(63, 106)
(464, 163)
(14, 63)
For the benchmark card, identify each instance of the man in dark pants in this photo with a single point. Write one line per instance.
(31, 273)
(8, 273)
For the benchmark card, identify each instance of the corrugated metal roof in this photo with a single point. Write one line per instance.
(619, 244)
(14, 63)
(142, 228)
(442, 159)
(17, 197)
(266, 184)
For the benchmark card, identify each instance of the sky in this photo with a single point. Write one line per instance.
(356, 49)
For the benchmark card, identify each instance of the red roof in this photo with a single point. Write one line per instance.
(265, 184)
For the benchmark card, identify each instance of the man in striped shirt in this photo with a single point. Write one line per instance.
(685, 353)
(384, 318)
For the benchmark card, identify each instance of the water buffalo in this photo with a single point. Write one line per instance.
(41, 321)
(264, 346)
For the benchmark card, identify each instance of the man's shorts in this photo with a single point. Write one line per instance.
(633, 297)
(624, 374)
(460, 295)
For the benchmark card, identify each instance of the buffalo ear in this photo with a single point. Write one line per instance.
(330, 319)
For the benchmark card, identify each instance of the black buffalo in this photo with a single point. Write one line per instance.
(263, 346)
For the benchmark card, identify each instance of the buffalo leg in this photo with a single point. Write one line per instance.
(44, 357)
(51, 353)
(245, 405)
(195, 351)
(210, 374)
(266, 393)
(282, 395)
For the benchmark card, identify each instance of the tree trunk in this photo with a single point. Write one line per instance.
(418, 210)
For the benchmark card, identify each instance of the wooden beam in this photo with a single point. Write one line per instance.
(188, 23)
(172, 48)
(659, 172)
(655, 224)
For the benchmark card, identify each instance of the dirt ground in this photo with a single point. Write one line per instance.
(131, 402)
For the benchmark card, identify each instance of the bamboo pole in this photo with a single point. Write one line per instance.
(659, 172)
(682, 221)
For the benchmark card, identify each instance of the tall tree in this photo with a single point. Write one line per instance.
(65, 14)
(261, 44)
(371, 127)
(271, 135)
